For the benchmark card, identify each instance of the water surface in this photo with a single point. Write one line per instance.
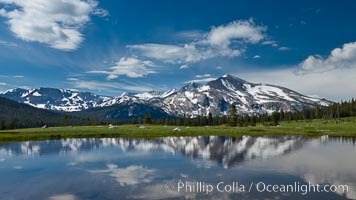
(118, 168)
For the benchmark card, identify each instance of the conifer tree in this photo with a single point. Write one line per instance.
(233, 115)
(147, 118)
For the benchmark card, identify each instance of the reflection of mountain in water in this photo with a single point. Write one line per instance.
(224, 150)
(229, 151)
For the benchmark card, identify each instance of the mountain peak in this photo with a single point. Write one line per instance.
(227, 82)
(190, 86)
(234, 78)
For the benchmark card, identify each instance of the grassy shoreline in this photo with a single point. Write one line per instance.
(345, 127)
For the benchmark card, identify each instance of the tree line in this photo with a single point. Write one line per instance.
(333, 111)
(15, 115)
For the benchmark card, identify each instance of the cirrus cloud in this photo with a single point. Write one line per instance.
(57, 23)
(202, 75)
(226, 40)
(108, 86)
(203, 80)
(184, 66)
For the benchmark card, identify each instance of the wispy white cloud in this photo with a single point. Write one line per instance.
(192, 34)
(19, 76)
(256, 57)
(63, 197)
(26, 87)
(2, 84)
(7, 43)
(204, 80)
(225, 40)
(130, 67)
(108, 86)
(284, 48)
(269, 42)
(57, 23)
(275, 45)
(339, 58)
(202, 75)
(72, 79)
(176, 54)
(185, 66)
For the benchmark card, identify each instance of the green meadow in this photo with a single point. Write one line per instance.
(344, 127)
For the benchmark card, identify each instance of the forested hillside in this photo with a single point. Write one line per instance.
(18, 115)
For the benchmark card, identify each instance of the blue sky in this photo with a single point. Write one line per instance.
(108, 47)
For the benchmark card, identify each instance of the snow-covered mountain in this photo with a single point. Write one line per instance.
(216, 96)
(148, 98)
(55, 99)
(191, 100)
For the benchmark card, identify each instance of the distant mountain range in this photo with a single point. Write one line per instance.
(191, 100)
(55, 99)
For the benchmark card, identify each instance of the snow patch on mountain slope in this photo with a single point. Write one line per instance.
(25, 94)
(191, 97)
(261, 93)
(168, 93)
(36, 94)
(148, 95)
(203, 88)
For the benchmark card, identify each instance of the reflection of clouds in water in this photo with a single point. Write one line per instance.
(319, 161)
(63, 197)
(184, 175)
(158, 191)
(18, 167)
(319, 164)
(91, 157)
(336, 171)
(204, 163)
(131, 175)
(87, 157)
(71, 163)
(2, 159)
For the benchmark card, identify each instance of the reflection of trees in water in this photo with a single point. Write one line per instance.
(227, 151)
(313, 163)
